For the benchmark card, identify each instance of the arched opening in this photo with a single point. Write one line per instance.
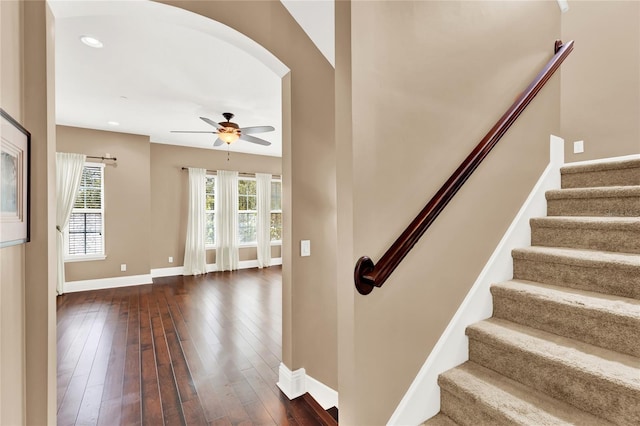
(219, 55)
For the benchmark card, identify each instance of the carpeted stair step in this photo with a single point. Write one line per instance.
(603, 383)
(600, 201)
(613, 173)
(619, 234)
(473, 395)
(610, 322)
(603, 272)
(440, 420)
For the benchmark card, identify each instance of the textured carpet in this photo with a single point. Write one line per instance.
(563, 345)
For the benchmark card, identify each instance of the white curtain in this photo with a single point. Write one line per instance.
(69, 169)
(263, 223)
(195, 262)
(227, 220)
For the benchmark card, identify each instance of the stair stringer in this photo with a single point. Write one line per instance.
(422, 399)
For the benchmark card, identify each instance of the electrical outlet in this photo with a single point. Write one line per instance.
(578, 147)
(123, 267)
(170, 259)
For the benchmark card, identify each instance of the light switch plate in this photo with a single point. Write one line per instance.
(123, 267)
(305, 248)
(578, 147)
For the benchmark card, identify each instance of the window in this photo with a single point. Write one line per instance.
(85, 233)
(247, 213)
(276, 210)
(210, 213)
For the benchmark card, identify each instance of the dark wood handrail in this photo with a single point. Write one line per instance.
(369, 275)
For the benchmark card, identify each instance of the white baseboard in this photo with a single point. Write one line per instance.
(291, 383)
(247, 264)
(167, 272)
(296, 383)
(211, 267)
(422, 400)
(102, 283)
(130, 280)
(322, 393)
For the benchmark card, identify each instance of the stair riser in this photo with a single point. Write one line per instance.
(630, 176)
(612, 206)
(598, 328)
(609, 280)
(613, 240)
(467, 411)
(592, 394)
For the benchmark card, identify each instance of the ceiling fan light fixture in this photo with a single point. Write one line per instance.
(229, 135)
(228, 132)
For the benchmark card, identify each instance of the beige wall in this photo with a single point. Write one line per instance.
(441, 74)
(601, 79)
(12, 326)
(309, 283)
(127, 201)
(169, 196)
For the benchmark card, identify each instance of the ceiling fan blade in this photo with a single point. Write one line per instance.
(252, 139)
(256, 129)
(193, 131)
(211, 122)
(218, 142)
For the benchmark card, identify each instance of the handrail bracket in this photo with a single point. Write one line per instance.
(364, 265)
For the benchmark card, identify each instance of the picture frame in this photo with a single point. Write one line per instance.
(15, 182)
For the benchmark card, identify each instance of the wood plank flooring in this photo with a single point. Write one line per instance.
(185, 350)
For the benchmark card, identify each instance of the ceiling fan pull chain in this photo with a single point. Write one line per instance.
(227, 152)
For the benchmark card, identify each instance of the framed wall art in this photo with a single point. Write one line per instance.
(15, 156)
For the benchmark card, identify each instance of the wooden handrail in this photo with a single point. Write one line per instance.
(368, 275)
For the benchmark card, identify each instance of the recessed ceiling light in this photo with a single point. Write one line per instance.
(113, 123)
(91, 42)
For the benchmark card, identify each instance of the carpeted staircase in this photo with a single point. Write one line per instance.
(563, 345)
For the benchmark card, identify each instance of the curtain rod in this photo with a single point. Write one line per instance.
(101, 158)
(239, 173)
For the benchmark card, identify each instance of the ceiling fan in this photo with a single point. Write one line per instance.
(229, 132)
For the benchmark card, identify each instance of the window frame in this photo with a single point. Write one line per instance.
(68, 258)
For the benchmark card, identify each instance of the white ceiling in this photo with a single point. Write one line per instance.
(159, 70)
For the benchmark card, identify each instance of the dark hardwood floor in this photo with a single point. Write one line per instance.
(185, 350)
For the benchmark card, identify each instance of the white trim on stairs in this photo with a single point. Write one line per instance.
(422, 399)
(296, 383)
(605, 160)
